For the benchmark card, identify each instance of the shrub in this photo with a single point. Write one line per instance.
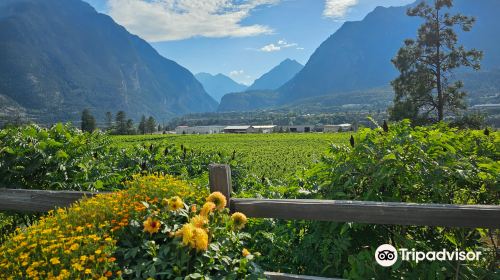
(60, 157)
(436, 164)
(131, 234)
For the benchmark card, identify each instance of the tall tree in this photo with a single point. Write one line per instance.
(130, 127)
(142, 125)
(150, 125)
(121, 123)
(88, 121)
(109, 121)
(423, 89)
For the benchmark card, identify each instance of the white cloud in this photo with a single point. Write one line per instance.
(274, 47)
(337, 9)
(168, 20)
(236, 73)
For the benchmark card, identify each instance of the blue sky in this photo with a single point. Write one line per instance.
(239, 38)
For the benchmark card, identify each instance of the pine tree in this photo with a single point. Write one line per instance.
(121, 123)
(142, 125)
(423, 89)
(109, 121)
(130, 127)
(88, 121)
(150, 125)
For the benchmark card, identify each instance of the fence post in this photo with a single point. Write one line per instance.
(220, 180)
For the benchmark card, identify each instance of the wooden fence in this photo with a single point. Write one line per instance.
(394, 213)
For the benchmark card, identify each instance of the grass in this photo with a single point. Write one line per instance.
(273, 156)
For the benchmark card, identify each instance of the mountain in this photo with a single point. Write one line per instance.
(262, 92)
(218, 85)
(277, 76)
(59, 57)
(248, 100)
(358, 56)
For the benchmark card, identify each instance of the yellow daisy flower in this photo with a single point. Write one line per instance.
(175, 203)
(218, 199)
(207, 208)
(151, 226)
(199, 221)
(239, 220)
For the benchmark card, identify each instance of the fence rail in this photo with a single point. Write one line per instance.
(396, 213)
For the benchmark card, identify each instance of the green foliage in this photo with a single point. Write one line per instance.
(423, 164)
(59, 158)
(166, 254)
(64, 158)
(272, 156)
(88, 121)
(426, 64)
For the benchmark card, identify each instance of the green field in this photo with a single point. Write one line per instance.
(271, 155)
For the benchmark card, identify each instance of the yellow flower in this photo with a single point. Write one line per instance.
(77, 266)
(88, 271)
(55, 261)
(218, 199)
(239, 220)
(245, 252)
(64, 274)
(199, 221)
(175, 203)
(194, 237)
(200, 238)
(207, 208)
(151, 226)
(98, 252)
(187, 233)
(74, 247)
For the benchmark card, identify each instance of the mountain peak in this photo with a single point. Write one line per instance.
(277, 76)
(218, 85)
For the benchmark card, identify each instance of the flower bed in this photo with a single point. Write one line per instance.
(159, 228)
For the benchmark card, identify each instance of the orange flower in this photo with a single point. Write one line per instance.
(151, 226)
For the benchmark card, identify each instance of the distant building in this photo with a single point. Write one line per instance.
(263, 128)
(210, 129)
(337, 127)
(299, 128)
(238, 129)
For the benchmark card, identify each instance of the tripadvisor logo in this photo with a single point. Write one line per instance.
(386, 255)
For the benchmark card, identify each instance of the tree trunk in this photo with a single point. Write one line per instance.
(440, 101)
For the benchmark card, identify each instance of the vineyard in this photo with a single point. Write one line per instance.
(273, 156)
(161, 222)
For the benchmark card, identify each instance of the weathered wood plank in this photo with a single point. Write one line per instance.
(220, 180)
(37, 200)
(284, 276)
(474, 216)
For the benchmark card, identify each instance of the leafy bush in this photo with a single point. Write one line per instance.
(64, 158)
(57, 158)
(133, 234)
(434, 164)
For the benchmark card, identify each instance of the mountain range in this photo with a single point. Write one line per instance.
(261, 93)
(219, 85)
(357, 57)
(277, 76)
(59, 57)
